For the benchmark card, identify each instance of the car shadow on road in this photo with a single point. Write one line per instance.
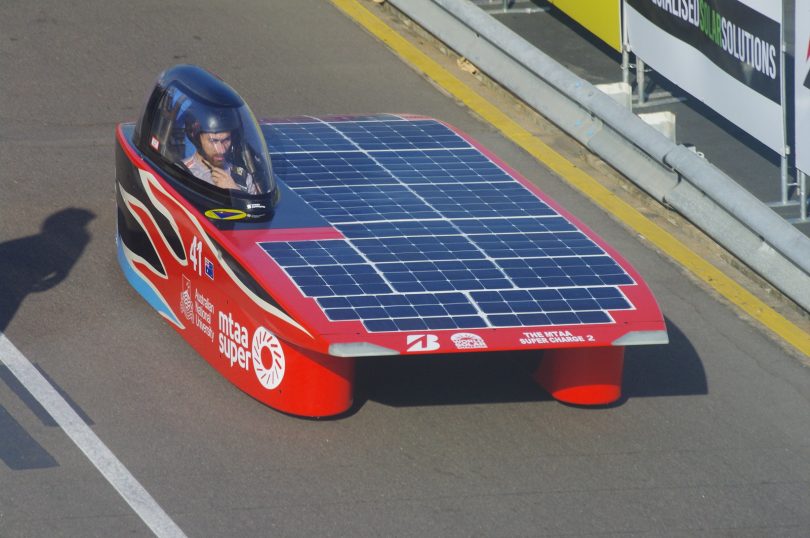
(674, 369)
(34, 264)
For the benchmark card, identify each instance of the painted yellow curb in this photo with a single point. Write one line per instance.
(587, 185)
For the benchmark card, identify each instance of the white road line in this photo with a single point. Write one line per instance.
(88, 442)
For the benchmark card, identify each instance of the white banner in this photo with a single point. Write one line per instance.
(725, 53)
(802, 85)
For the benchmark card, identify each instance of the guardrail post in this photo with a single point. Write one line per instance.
(625, 64)
(641, 81)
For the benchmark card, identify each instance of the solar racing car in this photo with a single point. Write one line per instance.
(283, 250)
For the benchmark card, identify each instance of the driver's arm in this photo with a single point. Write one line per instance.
(222, 179)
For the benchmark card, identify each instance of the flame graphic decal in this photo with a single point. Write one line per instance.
(144, 277)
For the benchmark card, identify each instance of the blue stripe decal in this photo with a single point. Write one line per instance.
(142, 286)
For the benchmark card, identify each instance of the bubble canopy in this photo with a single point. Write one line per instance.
(203, 134)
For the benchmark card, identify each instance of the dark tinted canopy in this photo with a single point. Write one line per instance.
(197, 127)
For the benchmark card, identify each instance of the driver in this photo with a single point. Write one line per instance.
(212, 133)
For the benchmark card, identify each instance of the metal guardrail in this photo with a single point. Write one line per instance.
(671, 173)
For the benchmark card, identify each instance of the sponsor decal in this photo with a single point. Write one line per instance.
(209, 269)
(155, 143)
(602, 18)
(422, 342)
(204, 311)
(256, 206)
(554, 337)
(225, 214)
(806, 59)
(732, 35)
(242, 351)
(198, 310)
(233, 341)
(468, 341)
(269, 376)
(801, 68)
(186, 307)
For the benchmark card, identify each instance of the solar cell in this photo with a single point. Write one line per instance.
(441, 166)
(460, 200)
(397, 135)
(341, 204)
(397, 229)
(436, 234)
(327, 169)
(552, 223)
(305, 137)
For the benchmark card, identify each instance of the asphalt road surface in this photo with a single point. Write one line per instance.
(711, 438)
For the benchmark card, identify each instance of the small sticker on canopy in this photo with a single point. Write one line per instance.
(225, 214)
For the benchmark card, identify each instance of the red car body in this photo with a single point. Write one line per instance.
(257, 302)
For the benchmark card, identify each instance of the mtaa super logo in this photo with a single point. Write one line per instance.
(264, 351)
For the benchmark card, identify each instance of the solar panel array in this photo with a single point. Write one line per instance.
(437, 235)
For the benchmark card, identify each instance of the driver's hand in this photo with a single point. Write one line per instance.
(222, 179)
